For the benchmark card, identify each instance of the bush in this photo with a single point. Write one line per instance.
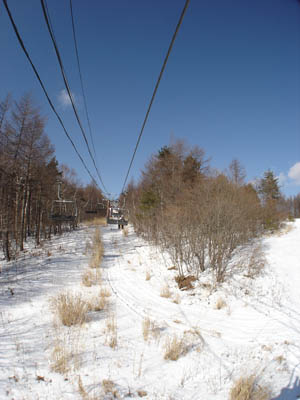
(185, 282)
(199, 218)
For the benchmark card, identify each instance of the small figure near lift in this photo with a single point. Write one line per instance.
(121, 222)
(115, 215)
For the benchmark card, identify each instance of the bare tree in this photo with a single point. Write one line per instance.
(237, 172)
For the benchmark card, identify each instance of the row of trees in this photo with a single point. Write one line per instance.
(198, 215)
(28, 178)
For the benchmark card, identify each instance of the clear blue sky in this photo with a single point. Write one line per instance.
(231, 86)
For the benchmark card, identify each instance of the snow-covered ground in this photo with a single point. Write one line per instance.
(255, 329)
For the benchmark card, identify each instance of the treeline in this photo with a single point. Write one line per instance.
(200, 216)
(29, 176)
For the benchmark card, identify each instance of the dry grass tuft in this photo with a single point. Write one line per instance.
(109, 387)
(90, 278)
(280, 359)
(142, 393)
(98, 303)
(148, 276)
(146, 324)
(150, 330)
(174, 348)
(97, 250)
(248, 389)
(71, 309)
(111, 331)
(177, 299)
(84, 394)
(87, 278)
(165, 292)
(220, 304)
(60, 359)
(105, 292)
(66, 352)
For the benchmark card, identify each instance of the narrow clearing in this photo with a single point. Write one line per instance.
(245, 326)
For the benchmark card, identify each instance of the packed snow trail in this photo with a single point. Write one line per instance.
(256, 331)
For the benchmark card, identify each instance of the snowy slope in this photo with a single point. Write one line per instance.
(256, 331)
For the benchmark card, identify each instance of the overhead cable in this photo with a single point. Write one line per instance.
(155, 89)
(44, 89)
(47, 20)
(81, 80)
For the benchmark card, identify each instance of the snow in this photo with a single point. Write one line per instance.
(256, 330)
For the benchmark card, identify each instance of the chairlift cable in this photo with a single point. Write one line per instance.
(47, 18)
(155, 89)
(81, 80)
(44, 89)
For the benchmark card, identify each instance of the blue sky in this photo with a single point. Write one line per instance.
(231, 86)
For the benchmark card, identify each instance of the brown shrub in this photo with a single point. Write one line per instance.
(185, 282)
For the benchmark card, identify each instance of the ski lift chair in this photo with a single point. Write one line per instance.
(115, 216)
(63, 211)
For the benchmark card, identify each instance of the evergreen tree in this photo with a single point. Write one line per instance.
(268, 187)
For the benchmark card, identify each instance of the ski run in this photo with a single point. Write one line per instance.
(247, 325)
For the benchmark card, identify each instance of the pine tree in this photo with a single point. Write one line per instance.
(268, 187)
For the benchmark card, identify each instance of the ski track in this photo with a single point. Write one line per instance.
(247, 336)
